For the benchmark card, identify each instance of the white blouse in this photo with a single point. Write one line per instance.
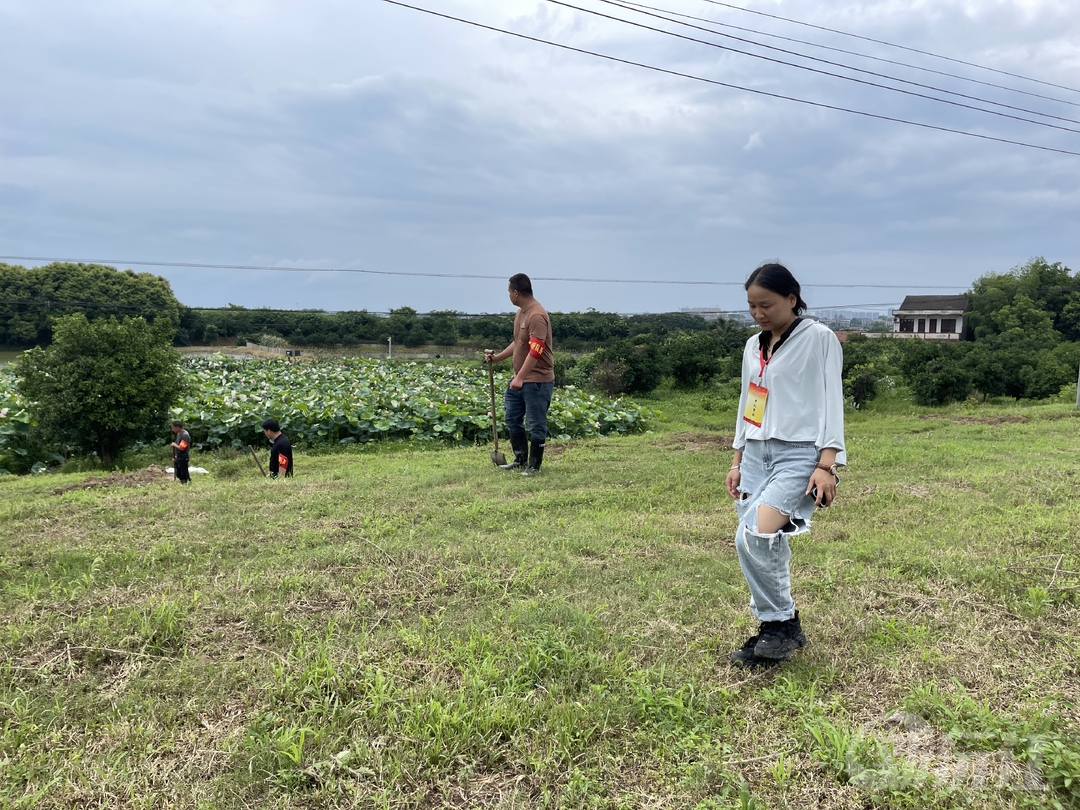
(806, 390)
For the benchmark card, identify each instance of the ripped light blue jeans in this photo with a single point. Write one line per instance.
(773, 473)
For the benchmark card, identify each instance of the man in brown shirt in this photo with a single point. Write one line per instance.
(529, 394)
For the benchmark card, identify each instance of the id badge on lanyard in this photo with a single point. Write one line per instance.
(756, 397)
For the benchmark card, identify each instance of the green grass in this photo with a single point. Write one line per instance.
(417, 629)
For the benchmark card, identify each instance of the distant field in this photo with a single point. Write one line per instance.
(415, 629)
(8, 356)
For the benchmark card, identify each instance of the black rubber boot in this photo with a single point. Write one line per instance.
(520, 443)
(536, 458)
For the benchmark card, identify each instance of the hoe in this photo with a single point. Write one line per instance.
(497, 458)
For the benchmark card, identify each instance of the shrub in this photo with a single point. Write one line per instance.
(101, 385)
(609, 377)
(578, 374)
(642, 366)
(694, 358)
(940, 382)
(861, 384)
(563, 363)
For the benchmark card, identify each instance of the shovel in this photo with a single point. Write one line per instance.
(497, 458)
(252, 449)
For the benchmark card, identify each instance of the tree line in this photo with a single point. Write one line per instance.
(31, 298)
(1025, 324)
(571, 331)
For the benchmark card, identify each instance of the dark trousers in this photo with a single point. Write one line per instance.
(528, 404)
(180, 465)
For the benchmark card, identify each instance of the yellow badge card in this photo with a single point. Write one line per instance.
(755, 404)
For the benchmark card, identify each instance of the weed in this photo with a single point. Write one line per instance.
(1037, 602)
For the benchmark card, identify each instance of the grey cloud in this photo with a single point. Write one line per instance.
(382, 140)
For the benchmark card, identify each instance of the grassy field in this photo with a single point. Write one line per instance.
(407, 629)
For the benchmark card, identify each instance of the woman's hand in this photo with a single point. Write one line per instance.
(734, 476)
(825, 482)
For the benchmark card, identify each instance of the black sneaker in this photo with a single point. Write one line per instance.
(778, 641)
(745, 655)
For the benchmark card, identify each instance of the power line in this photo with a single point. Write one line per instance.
(49, 303)
(410, 273)
(855, 53)
(718, 83)
(812, 69)
(892, 45)
(824, 62)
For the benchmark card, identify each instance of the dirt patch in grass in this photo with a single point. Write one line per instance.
(136, 478)
(975, 420)
(695, 442)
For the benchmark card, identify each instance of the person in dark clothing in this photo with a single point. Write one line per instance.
(280, 451)
(181, 452)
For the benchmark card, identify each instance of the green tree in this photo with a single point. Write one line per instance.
(940, 382)
(31, 297)
(102, 385)
(1047, 287)
(1051, 370)
(694, 358)
(404, 326)
(991, 371)
(1069, 320)
(1024, 324)
(638, 361)
(444, 327)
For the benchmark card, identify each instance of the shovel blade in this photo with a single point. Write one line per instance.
(497, 458)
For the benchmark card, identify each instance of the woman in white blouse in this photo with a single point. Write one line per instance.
(789, 437)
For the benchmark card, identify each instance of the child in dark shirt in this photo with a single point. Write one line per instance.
(281, 462)
(181, 452)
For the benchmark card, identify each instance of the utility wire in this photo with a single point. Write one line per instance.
(49, 303)
(824, 62)
(854, 53)
(866, 82)
(730, 85)
(449, 275)
(891, 45)
(434, 314)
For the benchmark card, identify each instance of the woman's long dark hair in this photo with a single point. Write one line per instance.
(778, 279)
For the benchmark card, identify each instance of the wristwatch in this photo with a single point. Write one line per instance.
(831, 469)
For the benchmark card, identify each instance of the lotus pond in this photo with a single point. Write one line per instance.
(349, 401)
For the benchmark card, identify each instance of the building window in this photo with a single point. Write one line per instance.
(907, 324)
(922, 324)
(933, 324)
(948, 325)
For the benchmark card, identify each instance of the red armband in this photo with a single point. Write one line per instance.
(183, 445)
(283, 461)
(536, 347)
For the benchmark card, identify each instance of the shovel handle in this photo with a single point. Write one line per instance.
(252, 449)
(494, 428)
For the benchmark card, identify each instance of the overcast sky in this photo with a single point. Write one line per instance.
(356, 134)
